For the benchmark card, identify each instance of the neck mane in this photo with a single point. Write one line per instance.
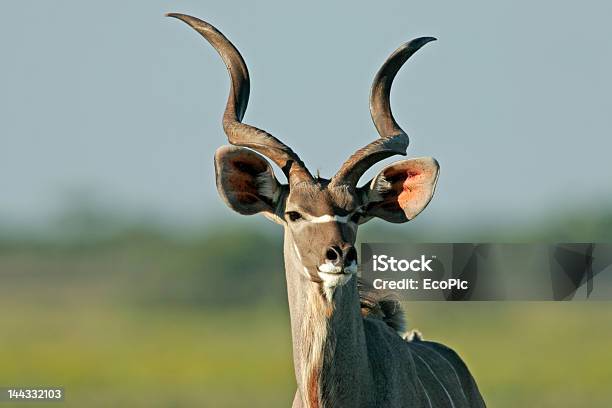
(329, 347)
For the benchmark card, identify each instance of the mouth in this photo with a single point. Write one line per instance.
(331, 269)
(333, 275)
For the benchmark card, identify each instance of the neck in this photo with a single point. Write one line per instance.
(329, 348)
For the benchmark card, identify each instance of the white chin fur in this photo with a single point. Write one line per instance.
(333, 277)
(328, 267)
(333, 280)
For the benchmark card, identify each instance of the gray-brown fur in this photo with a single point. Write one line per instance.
(381, 305)
(347, 351)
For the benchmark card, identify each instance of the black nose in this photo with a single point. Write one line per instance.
(338, 256)
(333, 254)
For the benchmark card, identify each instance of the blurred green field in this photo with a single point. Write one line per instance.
(145, 319)
(523, 355)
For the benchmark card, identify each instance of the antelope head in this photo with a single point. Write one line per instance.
(320, 216)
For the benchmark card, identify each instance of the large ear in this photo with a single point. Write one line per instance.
(402, 190)
(246, 182)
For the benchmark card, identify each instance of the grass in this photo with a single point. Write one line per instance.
(523, 354)
(131, 357)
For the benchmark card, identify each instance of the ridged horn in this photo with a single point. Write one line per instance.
(393, 140)
(238, 133)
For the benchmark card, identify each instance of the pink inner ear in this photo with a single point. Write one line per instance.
(412, 188)
(413, 185)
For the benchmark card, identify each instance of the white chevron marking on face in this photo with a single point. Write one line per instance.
(329, 218)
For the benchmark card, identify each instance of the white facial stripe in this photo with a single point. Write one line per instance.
(299, 256)
(329, 218)
(297, 252)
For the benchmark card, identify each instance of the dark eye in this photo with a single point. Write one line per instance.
(293, 215)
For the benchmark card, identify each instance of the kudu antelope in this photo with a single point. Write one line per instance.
(346, 348)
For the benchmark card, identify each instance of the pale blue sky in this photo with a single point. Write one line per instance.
(114, 99)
